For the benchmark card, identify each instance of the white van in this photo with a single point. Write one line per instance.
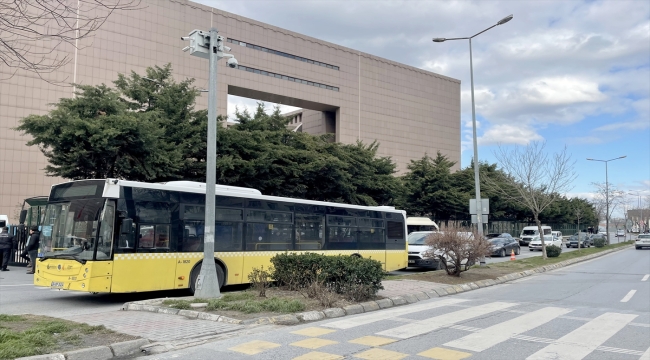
(530, 232)
(557, 234)
(4, 221)
(421, 224)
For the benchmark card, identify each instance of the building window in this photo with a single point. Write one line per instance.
(280, 53)
(284, 77)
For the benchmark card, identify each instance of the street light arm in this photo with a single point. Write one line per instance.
(477, 34)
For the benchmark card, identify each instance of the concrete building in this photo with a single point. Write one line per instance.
(351, 94)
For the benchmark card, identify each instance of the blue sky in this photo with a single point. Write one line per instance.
(571, 73)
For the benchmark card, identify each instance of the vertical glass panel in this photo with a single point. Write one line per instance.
(162, 236)
(228, 236)
(193, 232)
(264, 236)
(395, 230)
(146, 236)
(371, 239)
(333, 220)
(105, 242)
(309, 232)
(341, 238)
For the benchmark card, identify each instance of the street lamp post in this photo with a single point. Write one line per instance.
(607, 193)
(209, 45)
(477, 183)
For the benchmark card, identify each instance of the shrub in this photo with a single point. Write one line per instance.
(459, 248)
(599, 242)
(260, 279)
(553, 251)
(354, 277)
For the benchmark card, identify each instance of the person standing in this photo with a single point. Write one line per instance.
(31, 249)
(6, 245)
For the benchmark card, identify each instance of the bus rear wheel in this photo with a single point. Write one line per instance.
(195, 274)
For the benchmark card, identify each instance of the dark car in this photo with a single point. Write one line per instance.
(503, 246)
(585, 240)
(598, 236)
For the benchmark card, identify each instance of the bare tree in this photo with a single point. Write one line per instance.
(457, 248)
(534, 179)
(604, 198)
(32, 30)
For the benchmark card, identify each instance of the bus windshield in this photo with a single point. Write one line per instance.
(69, 229)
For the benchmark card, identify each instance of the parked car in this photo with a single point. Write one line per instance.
(528, 233)
(503, 246)
(417, 249)
(643, 240)
(536, 243)
(620, 232)
(557, 234)
(585, 240)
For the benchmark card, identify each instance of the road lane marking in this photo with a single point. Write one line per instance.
(496, 334)
(585, 339)
(645, 278)
(442, 321)
(646, 355)
(390, 313)
(628, 296)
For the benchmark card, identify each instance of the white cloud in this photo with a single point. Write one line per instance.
(509, 134)
(241, 103)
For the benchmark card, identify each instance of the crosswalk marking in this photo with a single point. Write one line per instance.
(390, 313)
(446, 320)
(585, 339)
(646, 355)
(645, 277)
(493, 335)
(628, 296)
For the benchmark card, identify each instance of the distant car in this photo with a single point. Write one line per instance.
(595, 237)
(643, 240)
(620, 232)
(503, 246)
(584, 238)
(536, 243)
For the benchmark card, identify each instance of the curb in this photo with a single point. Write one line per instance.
(124, 348)
(294, 319)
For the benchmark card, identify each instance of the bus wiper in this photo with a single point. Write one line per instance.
(65, 256)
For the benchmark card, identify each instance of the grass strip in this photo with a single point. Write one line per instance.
(248, 303)
(26, 335)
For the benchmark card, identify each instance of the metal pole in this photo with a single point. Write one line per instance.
(207, 285)
(477, 183)
(607, 204)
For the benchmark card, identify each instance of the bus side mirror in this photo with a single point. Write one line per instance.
(127, 225)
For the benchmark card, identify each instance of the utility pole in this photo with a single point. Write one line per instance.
(209, 45)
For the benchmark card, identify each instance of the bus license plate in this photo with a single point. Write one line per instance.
(411, 261)
(56, 285)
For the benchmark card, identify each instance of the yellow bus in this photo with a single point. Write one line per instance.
(122, 236)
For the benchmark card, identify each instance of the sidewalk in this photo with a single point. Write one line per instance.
(406, 287)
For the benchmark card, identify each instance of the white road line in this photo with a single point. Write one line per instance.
(585, 339)
(496, 334)
(645, 278)
(646, 355)
(446, 320)
(390, 313)
(628, 296)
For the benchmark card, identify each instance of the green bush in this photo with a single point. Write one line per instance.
(553, 251)
(599, 242)
(352, 276)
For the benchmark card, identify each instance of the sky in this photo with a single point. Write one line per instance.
(572, 74)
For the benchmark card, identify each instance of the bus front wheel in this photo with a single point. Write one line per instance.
(195, 274)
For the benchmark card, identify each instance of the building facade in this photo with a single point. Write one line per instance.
(342, 91)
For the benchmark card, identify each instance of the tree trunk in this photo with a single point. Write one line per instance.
(541, 236)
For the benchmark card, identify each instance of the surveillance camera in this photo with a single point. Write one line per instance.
(227, 48)
(232, 62)
(185, 38)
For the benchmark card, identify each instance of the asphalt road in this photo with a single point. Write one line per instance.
(599, 309)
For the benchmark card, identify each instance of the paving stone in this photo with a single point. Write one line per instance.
(431, 294)
(93, 353)
(311, 316)
(208, 316)
(450, 290)
(149, 308)
(441, 292)
(285, 320)
(166, 310)
(128, 347)
(334, 312)
(422, 295)
(189, 313)
(198, 305)
(384, 303)
(43, 357)
(410, 298)
(472, 286)
(369, 306)
(353, 309)
(398, 300)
